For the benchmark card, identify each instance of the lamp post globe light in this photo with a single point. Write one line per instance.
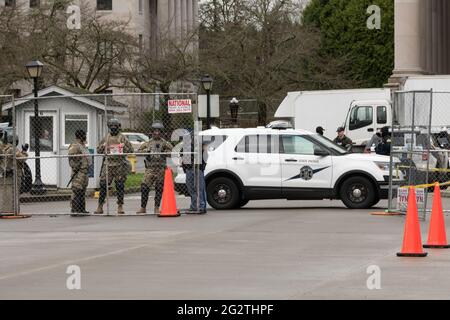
(207, 82)
(234, 109)
(34, 69)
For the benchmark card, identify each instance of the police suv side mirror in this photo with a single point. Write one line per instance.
(321, 153)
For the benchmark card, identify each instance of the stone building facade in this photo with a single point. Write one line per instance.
(422, 38)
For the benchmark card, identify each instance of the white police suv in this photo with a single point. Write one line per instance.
(267, 163)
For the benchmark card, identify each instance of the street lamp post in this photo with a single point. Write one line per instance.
(234, 109)
(207, 82)
(34, 69)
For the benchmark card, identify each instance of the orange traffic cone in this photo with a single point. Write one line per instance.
(437, 237)
(412, 242)
(169, 202)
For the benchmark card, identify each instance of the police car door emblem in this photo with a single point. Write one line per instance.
(306, 173)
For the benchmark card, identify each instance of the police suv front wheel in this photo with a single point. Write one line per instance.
(357, 193)
(223, 194)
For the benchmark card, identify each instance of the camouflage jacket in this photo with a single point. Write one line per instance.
(116, 145)
(7, 165)
(78, 163)
(156, 146)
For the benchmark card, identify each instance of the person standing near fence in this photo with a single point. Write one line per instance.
(79, 162)
(158, 150)
(384, 147)
(7, 173)
(116, 166)
(342, 140)
(195, 174)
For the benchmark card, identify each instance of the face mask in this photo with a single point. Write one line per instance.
(156, 135)
(114, 131)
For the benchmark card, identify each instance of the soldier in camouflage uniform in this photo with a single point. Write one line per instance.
(155, 165)
(7, 173)
(80, 167)
(114, 144)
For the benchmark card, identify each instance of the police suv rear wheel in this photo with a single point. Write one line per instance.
(357, 193)
(223, 194)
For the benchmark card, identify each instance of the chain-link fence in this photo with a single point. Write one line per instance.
(103, 154)
(248, 113)
(420, 147)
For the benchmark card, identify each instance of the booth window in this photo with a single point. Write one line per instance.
(46, 133)
(72, 123)
(104, 5)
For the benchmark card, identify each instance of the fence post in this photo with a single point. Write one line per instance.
(106, 155)
(428, 155)
(16, 193)
(391, 160)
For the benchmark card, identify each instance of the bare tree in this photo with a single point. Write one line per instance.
(88, 58)
(259, 49)
(175, 62)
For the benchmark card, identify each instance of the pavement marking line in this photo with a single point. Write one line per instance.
(156, 245)
(70, 262)
(57, 265)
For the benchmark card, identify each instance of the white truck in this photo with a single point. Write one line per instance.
(363, 111)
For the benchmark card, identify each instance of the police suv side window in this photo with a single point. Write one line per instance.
(264, 144)
(214, 141)
(298, 145)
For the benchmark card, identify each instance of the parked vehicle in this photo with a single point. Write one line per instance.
(136, 139)
(362, 112)
(267, 163)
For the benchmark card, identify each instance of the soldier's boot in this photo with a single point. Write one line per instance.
(120, 209)
(77, 202)
(141, 211)
(145, 191)
(83, 202)
(158, 194)
(99, 209)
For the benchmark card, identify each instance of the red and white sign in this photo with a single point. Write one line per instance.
(180, 106)
(116, 148)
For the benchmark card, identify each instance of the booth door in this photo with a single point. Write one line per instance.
(48, 145)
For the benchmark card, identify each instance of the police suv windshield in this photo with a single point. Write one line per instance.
(329, 144)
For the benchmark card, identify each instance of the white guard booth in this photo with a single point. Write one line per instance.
(60, 118)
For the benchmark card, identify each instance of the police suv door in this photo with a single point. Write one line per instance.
(256, 160)
(307, 168)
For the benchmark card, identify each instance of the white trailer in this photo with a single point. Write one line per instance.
(363, 111)
(360, 111)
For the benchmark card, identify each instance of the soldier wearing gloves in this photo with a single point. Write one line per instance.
(7, 191)
(80, 167)
(115, 166)
(158, 150)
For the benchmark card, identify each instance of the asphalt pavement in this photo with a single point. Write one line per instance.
(266, 250)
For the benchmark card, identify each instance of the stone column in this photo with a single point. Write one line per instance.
(446, 32)
(177, 18)
(195, 13)
(184, 27)
(171, 17)
(190, 16)
(407, 38)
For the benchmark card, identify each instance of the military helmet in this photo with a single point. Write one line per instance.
(13, 141)
(113, 122)
(157, 125)
(80, 134)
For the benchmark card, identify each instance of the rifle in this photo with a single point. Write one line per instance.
(73, 176)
